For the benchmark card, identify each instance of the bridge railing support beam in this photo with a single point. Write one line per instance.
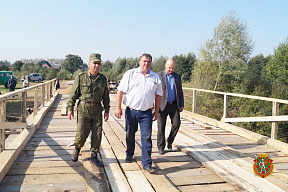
(225, 109)
(23, 107)
(194, 101)
(275, 112)
(43, 95)
(35, 101)
(2, 120)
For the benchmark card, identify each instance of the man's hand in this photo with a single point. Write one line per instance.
(155, 116)
(106, 116)
(70, 113)
(118, 112)
(181, 109)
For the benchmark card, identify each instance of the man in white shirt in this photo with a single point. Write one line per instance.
(142, 87)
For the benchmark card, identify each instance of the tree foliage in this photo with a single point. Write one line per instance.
(72, 63)
(159, 64)
(51, 74)
(184, 65)
(226, 53)
(277, 69)
(17, 65)
(106, 66)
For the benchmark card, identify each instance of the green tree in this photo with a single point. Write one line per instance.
(51, 74)
(226, 53)
(158, 64)
(17, 65)
(31, 68)
(277, 69)
(253, 76)
(5, 65)
(184, 65)
(64, 74)
(72, 63)
(106, 66)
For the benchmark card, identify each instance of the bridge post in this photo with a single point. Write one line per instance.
(23, 107)
(51, 86)
(35, 101)
(2, 119)
(194, 101)
(47, 93)
(275, 112)
(225, 109)
(43, 95)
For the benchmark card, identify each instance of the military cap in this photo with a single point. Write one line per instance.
(95, 57)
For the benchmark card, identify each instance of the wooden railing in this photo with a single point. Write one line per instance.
(275, 118)
(47, 90)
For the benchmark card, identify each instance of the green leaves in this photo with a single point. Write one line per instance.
(226, 54)
(72, 63)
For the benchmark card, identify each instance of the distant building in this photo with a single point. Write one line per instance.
(45, 64)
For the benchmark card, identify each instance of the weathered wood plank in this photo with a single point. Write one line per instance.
(188, 172)
(76, 187)
(46, 164)
(43, 179)
(12, 125)
(219, 187)
(134, 178)
(46, 170)
(116, 178)
(64, 109)
(197, 180)
(95, 177)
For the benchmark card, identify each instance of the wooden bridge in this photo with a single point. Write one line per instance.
(208, 155)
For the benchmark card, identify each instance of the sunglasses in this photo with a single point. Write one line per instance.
(96, 62)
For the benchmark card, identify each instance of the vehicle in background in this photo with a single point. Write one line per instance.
(5, 76)
(35, 77)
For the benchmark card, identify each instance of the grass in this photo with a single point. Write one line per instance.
(13, 105)
(18, 86)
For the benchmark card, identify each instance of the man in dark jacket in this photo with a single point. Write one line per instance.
(172, 104)
(11, 84)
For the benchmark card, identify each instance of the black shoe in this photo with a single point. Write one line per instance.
(161, 152)
(169, 146)
(151, 170)
(128, 160)
(95, 160)
(75, 155)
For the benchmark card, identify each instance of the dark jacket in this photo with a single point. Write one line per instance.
(178, 88)
(12, 83)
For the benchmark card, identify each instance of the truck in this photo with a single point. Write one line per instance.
(5, 76)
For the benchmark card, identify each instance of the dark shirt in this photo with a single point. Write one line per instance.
(12, 83)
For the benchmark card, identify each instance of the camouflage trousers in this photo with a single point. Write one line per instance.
(89, 118)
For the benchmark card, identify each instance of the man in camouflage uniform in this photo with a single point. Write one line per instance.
(90, 87)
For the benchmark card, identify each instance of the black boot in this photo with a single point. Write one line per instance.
(95, 160)
(75, 154)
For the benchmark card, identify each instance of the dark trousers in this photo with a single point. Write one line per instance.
(144, 119)
(174, 114)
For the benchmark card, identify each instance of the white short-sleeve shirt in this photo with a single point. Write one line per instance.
(140, 90)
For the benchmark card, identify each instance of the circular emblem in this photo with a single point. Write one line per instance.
(263, 166)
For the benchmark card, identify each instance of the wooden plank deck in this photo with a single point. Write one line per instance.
(204, 158)
(44, 164)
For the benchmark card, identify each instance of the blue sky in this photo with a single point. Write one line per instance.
(52, 29)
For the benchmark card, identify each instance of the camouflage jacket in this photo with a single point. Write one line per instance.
(87, 89)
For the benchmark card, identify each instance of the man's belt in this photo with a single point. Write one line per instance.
(171, 102)
(91, 103)
(139, 110)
